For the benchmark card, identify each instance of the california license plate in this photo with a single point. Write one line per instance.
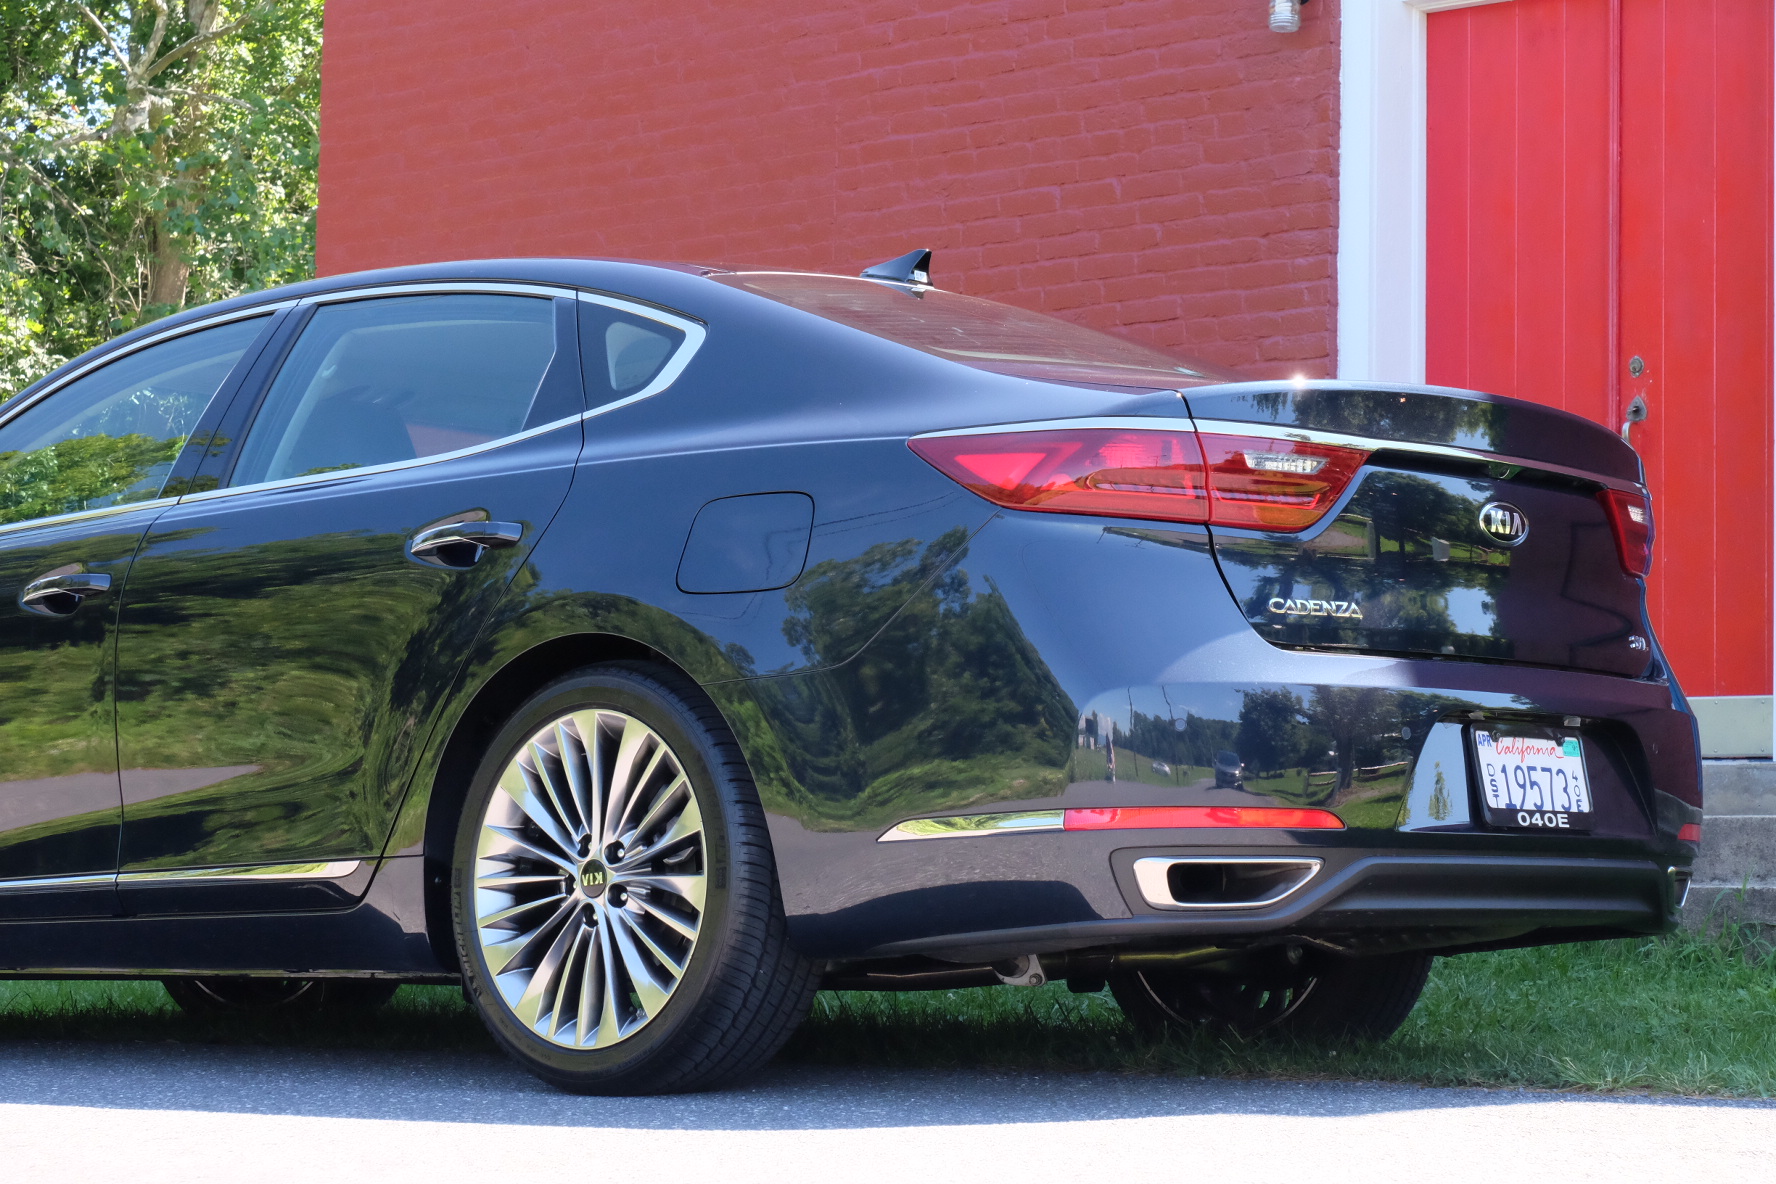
(1532, 778)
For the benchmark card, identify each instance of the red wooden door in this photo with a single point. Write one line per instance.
(1599, 190)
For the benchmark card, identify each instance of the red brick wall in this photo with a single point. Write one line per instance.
(1163, 166)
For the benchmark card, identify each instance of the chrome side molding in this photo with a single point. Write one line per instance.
(329, 870)
(336, 869)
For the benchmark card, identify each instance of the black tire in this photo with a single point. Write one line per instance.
(226, 995)
(1318, 997)
(742, 990)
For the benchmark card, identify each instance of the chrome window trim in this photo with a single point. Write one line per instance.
(694, 333)
(346, 475)
(1271, 431)
(7, 528)
(440, 288)
(10, 409)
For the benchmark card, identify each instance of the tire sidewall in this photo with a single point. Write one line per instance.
(719, 799)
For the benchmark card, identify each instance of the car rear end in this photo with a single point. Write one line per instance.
(1446, 722)
(1354, 668)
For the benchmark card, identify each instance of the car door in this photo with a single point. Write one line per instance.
(291, 627)
(82, 473)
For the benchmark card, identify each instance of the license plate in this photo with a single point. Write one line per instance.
(1532, 778)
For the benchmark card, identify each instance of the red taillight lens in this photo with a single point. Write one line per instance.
(1263, 484)
(1275, 484)
(1161, 817)
(1690, 832)
(1631, 521)
(1122, 474)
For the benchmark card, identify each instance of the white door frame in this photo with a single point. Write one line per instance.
(1381, 198)
(1381, 187)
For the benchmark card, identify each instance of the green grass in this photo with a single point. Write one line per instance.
(1686, 1015)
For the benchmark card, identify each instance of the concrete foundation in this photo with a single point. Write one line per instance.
(1736, 874)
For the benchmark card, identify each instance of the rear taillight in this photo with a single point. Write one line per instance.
(1123, 474)
(1169, 476)
(1631, 521)
(1275, 484)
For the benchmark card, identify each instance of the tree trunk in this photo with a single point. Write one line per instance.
(168, 273)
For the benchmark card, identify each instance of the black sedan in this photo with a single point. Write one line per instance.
(646, 646)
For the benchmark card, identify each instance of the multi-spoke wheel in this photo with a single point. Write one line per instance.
(615, 898)
(589, 878)
(1315, 996)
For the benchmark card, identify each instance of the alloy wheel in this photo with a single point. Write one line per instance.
(589, 879)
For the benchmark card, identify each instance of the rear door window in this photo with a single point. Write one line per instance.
(623, 353)
(398, 378)
(110, 438)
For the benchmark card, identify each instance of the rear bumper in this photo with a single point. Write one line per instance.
(1087, 665)
(1372, 901)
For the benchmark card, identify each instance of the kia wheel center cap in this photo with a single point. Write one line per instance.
(593, 878)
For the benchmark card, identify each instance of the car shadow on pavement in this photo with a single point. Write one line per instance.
(481, 1088)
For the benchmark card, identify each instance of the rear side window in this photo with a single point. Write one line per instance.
(372, 382)
(621, 353)
(980, 333)
(110, 438)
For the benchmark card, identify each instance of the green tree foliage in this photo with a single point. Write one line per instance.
(82, 473)
(153, 154)
(947, 705)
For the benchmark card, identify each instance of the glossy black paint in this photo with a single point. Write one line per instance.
(290, 686)
(384, 932)
(1407, 553)
(1426, 415)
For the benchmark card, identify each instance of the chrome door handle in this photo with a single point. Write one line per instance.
(461, 544)
(58, 593)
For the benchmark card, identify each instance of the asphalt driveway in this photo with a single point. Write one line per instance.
(184, 1113)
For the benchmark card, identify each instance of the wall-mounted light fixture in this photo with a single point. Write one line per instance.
(1285, 15)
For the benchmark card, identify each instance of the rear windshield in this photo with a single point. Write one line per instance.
(979, 333)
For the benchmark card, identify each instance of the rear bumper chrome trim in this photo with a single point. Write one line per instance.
(965, 826)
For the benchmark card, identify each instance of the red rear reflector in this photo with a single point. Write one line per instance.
(1262, 484)
(1631, 521)
(1690, 832)
(1161, 817)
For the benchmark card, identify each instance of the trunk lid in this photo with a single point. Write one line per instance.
(1405, 563)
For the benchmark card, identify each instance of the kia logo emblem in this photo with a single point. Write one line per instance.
(1504, 522)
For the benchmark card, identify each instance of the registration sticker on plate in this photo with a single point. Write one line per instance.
(1532, 778)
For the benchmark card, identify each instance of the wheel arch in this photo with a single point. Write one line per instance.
(488, 708)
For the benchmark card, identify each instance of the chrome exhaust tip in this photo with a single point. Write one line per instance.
(1189, 882)
(1680, 885)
